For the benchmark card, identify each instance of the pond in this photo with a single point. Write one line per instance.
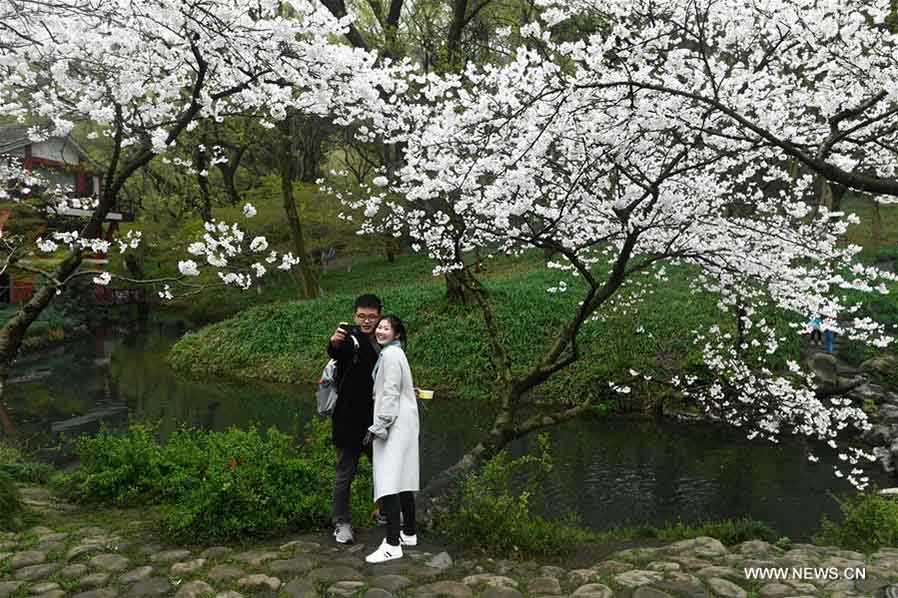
(610, 472)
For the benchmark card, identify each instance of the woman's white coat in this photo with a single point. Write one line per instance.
(396, 464)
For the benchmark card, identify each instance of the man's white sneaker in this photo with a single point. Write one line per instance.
(385, 552)
(408, 540)
(343, 533)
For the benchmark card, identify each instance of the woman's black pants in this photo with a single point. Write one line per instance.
(392, 503)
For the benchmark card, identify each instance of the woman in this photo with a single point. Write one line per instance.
(394, 436)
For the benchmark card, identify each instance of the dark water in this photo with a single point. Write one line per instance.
(609, 472)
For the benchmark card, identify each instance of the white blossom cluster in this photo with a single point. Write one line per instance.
(223, 247)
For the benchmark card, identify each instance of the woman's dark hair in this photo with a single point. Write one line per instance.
(397, 326)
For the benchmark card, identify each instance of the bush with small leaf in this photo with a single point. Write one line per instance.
(487, 513)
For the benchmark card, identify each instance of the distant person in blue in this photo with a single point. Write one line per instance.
(816, 336)
(829, 338)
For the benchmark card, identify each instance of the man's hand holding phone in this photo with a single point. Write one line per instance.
(340, 334)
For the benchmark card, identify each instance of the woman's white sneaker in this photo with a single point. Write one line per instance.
(385, 552)
(408, 540)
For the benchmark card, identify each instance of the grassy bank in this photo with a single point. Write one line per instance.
(285, 341)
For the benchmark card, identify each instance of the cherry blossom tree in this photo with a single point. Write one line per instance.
(143, 73)
(624, 176)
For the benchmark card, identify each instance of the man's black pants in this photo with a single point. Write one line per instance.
(347, 466)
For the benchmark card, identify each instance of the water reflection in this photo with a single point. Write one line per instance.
(609, 472)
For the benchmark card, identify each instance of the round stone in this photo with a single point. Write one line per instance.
(179, 569)
(345, 588)
(53, 594)
(53, 537)
(194, 589)
(224, 573)
(101, 593)
(170, 556)
(500, 592)
(300, 546)
(43, 588)
(637, 577)
(579, 577)
(611, 567)
(490, 580)
(36, 572)
(295, 566)
(441, 561)
(334, 574)
(256, 557)
(715, 571)
(151, 586)
(77, 551)
(109, 562)
(73, 571)
(135, 575)
(594, 590)
(553, 571)
(377, 593)
(775, 590)
(8, 588)
(94, 580)
(259, 580)
(544, 585)
(390, 583)
(453, 589)
(663, 566)
(27, 558)
(649, 592)
(301, 588)
(229, 594)
(725, 589)
(216, 552)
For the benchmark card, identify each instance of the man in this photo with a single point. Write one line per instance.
(354, 410)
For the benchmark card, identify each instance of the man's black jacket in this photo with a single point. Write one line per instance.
(354, 411)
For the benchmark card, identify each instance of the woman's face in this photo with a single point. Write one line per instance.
(384, 333)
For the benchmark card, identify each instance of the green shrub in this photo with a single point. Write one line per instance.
(10, 507)
(9, 454)
(14, 463)
(869, 522)
(216, 485)
(489, 515)
(130, 468)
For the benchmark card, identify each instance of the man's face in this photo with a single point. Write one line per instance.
(366, 318)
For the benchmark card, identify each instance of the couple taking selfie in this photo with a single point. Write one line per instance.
(376, 413)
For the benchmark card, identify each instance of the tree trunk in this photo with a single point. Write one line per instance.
(136, 272)
(456, 291)
(305, 277)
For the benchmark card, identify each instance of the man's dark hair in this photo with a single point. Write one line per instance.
(369, 301)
